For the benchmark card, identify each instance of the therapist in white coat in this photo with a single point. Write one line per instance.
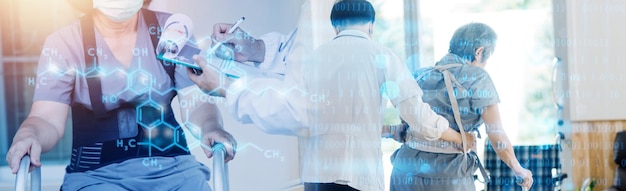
(286, 106)
(273, 104)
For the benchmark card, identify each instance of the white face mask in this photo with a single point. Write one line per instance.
(118, 10)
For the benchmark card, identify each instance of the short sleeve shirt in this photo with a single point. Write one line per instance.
(61, 71)
(477, 93)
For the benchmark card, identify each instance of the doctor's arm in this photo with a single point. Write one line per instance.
(39, 133)
(270, 104)
(425, 123)
(422, 120)
(204, 121)
(267, 51)
(262, 101)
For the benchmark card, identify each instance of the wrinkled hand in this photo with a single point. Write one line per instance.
(245, 47)
(219, 136)
(20, 148)
(211, 79)
(526, 174)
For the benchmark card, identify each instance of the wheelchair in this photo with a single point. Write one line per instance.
(219, 173)
(542, 160)
(23, 176)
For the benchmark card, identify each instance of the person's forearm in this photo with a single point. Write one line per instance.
(498, 138)
(206, 117)
(271, 52)
(452, 136)
(501, 144)
(200, 117)
(40, 130)
(423, 121)
(276, 110)
(258, 55)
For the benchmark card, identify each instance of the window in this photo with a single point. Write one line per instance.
(389, 30)
(24, 25)
(389, 25)
(419, 31)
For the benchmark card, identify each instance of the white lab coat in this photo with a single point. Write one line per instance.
(279, 106)
(273, 104)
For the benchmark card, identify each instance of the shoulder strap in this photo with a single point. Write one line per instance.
(92, 67)
(448, 79)
(91, 58)
(441, 68)
(455, 105)
(155, 32)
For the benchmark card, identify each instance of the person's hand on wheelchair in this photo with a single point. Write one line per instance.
(23, 145)
(210, 138)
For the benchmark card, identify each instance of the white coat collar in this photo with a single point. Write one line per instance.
(353, 33)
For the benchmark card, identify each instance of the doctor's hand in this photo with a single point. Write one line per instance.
(245, 47)
(210, 80)
(219, 136)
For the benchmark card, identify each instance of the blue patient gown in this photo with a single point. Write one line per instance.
(421, 170)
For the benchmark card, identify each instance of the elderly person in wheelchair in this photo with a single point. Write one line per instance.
(112, 139)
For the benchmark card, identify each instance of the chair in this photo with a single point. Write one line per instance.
(220, 169)
(542, 160)
(23, 176)
(220, 172)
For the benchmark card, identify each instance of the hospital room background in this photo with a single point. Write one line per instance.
(558, 70)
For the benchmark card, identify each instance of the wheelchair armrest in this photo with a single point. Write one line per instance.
(220, 168)
(22, 176)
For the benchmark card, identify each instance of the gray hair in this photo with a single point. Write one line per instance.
(468, 38)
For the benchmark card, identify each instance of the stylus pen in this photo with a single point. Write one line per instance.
(231, 30)
(234, 27)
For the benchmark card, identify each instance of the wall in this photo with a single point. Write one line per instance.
(595, 44)
(262, 16)
(592, 156)
(589, 40)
